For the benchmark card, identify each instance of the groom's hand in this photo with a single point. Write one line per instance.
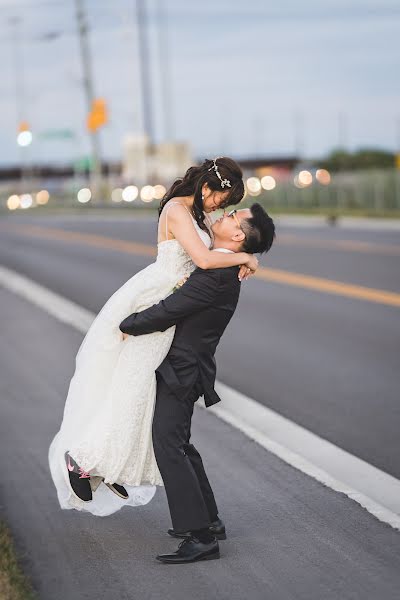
(124, 336)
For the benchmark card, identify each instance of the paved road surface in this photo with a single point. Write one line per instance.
(327, 362)
(289, 536)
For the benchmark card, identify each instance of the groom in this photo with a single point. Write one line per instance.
(201, 309)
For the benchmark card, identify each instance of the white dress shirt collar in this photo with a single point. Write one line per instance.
(224, 250)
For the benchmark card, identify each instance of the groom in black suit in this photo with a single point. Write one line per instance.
(201, 309)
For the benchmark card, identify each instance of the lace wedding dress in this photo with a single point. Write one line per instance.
(108, 413)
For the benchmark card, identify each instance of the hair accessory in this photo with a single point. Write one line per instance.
(224, 182)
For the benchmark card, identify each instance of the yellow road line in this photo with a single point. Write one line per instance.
(329, 286)
(347, 245)
(89, 239)
(319, 284)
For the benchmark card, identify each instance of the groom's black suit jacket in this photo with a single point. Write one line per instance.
(201, 309)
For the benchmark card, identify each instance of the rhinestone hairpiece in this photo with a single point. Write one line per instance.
(224, 182)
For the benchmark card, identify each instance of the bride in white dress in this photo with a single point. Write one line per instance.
(106, 426)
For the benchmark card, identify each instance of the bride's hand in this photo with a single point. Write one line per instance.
(248, 268)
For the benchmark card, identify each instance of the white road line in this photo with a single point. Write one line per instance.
(57, 306)
(376, 491)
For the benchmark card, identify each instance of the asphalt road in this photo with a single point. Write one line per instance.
(327, 362)
(289, 537)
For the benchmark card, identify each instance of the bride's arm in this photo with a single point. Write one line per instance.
(183, 230)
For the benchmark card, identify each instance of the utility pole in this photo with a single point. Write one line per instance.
(342, 131)
(298, 128)
(342, 148)
(165, 75)
(225, 139)
(89, 93)
(144, 70)
(144, 67)
(18, 67)
(258, 125)
(20, 104)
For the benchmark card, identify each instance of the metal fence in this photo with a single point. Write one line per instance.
(375, 192)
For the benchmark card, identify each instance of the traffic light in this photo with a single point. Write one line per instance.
(23, 126)
(98, 115)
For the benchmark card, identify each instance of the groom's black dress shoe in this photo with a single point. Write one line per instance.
(78, 479)
(191, 550)
(217, 527)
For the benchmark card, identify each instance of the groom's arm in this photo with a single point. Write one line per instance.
(196, 294)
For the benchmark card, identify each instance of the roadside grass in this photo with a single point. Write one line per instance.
(14, 585)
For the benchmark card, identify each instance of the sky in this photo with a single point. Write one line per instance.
(245, 79)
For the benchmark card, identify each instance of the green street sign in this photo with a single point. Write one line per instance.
(85, 163)
(57, 134)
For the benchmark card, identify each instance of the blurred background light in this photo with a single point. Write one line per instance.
(253, 186)
(130, 193)
(323, 176)
(116, 195)
(159, 192)
(84, 195)
(42, 197)
(26, 201)
(296, 181)
(24, 138)
(13, 202)
(147, 193)
(303, 179)
(268, 182)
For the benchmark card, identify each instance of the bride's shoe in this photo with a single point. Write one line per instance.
(118, 489)
(79, 479)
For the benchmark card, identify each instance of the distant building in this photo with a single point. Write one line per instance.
(161, 163)
(279, 167)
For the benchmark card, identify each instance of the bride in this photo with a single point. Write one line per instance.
(106, 426)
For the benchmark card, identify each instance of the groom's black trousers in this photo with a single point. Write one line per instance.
(190, 497)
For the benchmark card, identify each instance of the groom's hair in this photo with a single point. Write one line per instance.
(259, 230)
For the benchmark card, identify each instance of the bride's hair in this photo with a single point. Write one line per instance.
(195, 177)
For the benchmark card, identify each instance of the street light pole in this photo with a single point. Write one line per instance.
(144, 70)
(18, 66)
(89, 93)
(19, 91)
(164, 64)
(144, 67)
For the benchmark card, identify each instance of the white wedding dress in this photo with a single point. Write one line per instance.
(108, 413)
